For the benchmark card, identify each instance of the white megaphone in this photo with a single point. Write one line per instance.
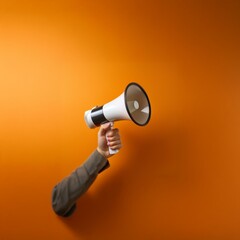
(133, 104)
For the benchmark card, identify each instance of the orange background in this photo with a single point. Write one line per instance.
(176, 178)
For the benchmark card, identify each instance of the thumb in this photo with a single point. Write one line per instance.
(104, 128)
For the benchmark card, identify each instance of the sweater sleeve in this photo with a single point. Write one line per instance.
(66, 192)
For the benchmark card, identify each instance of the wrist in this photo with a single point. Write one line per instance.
(101, 152)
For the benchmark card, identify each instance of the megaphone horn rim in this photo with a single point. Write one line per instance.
(149, 105)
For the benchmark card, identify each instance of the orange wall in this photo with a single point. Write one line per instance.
(178, 177)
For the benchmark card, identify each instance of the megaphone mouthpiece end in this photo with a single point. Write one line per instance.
(88, 119)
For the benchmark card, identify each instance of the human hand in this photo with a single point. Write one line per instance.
(108, 137)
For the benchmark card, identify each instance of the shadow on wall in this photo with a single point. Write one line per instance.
(155, 161)
(160, 151)
(94, 212)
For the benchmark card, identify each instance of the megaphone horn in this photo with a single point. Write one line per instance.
(133, 104)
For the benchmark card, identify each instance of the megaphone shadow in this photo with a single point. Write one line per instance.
(159, 156)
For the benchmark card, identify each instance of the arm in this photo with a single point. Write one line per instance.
(66, 193)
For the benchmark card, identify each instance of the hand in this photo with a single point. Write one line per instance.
(108, 137)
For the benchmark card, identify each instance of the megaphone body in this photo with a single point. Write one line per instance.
(133, 104)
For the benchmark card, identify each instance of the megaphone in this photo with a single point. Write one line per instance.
(133, 104)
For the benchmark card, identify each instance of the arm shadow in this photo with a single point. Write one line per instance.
(94, 210)
(97, 212)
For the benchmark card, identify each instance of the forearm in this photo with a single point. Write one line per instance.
(66, 193)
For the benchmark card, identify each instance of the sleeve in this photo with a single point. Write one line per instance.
(66, 192)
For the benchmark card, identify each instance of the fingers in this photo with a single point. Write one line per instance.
(115, 145)
(104, 128)
(108, 138)
(113, 139)
(113, 133)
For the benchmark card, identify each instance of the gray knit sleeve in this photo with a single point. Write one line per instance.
(66, 192)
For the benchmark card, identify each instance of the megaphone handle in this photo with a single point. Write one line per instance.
(112, 151)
